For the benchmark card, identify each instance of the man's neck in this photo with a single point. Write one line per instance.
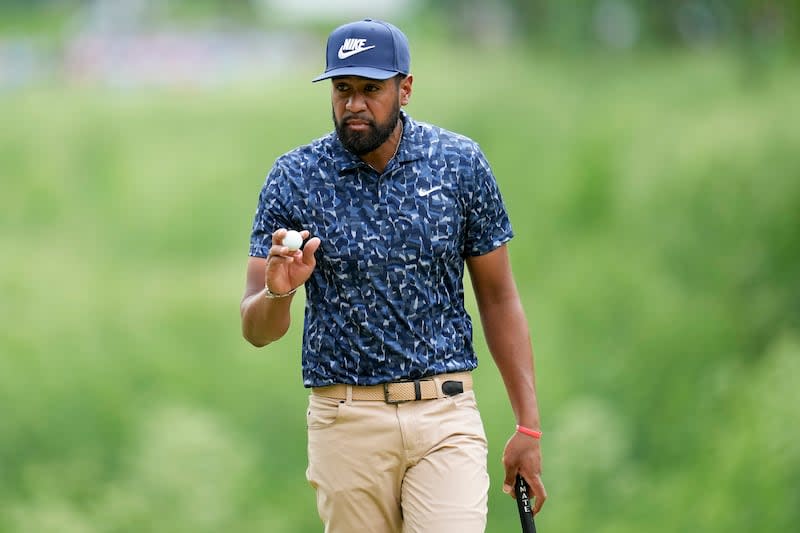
(380, 157)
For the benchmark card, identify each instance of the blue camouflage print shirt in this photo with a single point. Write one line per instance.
(386, 300)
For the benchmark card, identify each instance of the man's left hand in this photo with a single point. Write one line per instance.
(523, 455)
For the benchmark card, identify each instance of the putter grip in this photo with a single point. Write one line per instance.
(522, 492)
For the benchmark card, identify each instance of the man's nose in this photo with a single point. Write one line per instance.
(356, 103)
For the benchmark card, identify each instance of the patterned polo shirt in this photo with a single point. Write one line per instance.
(386, 300)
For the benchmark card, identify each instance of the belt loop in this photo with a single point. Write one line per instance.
(438, 384)
(349, 395)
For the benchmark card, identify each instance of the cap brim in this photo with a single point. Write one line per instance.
(363, 72)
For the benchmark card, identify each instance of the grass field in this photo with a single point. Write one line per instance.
(656, 202)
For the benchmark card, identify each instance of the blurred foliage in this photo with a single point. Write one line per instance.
(656, 204)
(573, 23)
(579, 25)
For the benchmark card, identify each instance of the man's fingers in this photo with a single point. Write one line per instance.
(277, 236)
(539, 493)
(282, 254)
(508, 483)
(278, 250)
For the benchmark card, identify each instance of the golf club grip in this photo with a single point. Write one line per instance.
(522, 492)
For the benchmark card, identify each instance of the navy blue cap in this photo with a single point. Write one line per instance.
(367, 48)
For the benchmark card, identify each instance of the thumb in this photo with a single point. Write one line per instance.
(309, 249)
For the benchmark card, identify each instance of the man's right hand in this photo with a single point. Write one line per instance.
(286, 270)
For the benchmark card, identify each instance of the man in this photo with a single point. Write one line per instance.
(391, 210)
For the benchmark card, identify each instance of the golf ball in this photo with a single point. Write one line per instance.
(293, 240)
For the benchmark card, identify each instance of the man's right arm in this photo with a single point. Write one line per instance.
(263, 319)
(266, 319)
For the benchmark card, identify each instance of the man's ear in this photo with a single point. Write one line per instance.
(405, 89)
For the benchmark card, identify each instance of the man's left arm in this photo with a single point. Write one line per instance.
(508, 337)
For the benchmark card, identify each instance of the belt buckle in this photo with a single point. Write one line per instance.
(386, 394)
(417, 390)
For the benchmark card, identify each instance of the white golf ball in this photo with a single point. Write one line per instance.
(293, 241)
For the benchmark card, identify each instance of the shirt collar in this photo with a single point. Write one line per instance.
(410, 148)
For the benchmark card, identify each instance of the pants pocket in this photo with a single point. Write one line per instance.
(322, 412)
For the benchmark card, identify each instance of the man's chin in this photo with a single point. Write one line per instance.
(356, 145)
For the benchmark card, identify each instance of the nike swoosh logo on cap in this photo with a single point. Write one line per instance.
(345, 54)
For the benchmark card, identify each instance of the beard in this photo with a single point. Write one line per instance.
(361, 143)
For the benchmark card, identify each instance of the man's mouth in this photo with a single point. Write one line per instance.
(357, 124)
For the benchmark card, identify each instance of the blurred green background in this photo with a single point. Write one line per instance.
(648, 155)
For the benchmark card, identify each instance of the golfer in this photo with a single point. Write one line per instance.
(390, 211)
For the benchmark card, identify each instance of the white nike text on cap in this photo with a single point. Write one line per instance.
(351, 47)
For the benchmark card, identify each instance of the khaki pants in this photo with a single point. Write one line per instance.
(415, 467)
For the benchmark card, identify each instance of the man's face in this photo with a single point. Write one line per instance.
(365, 111)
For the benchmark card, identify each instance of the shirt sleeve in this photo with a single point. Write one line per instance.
(271, 212)
(488, 225)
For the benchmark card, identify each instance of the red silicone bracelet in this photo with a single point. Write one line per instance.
(530, 432)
